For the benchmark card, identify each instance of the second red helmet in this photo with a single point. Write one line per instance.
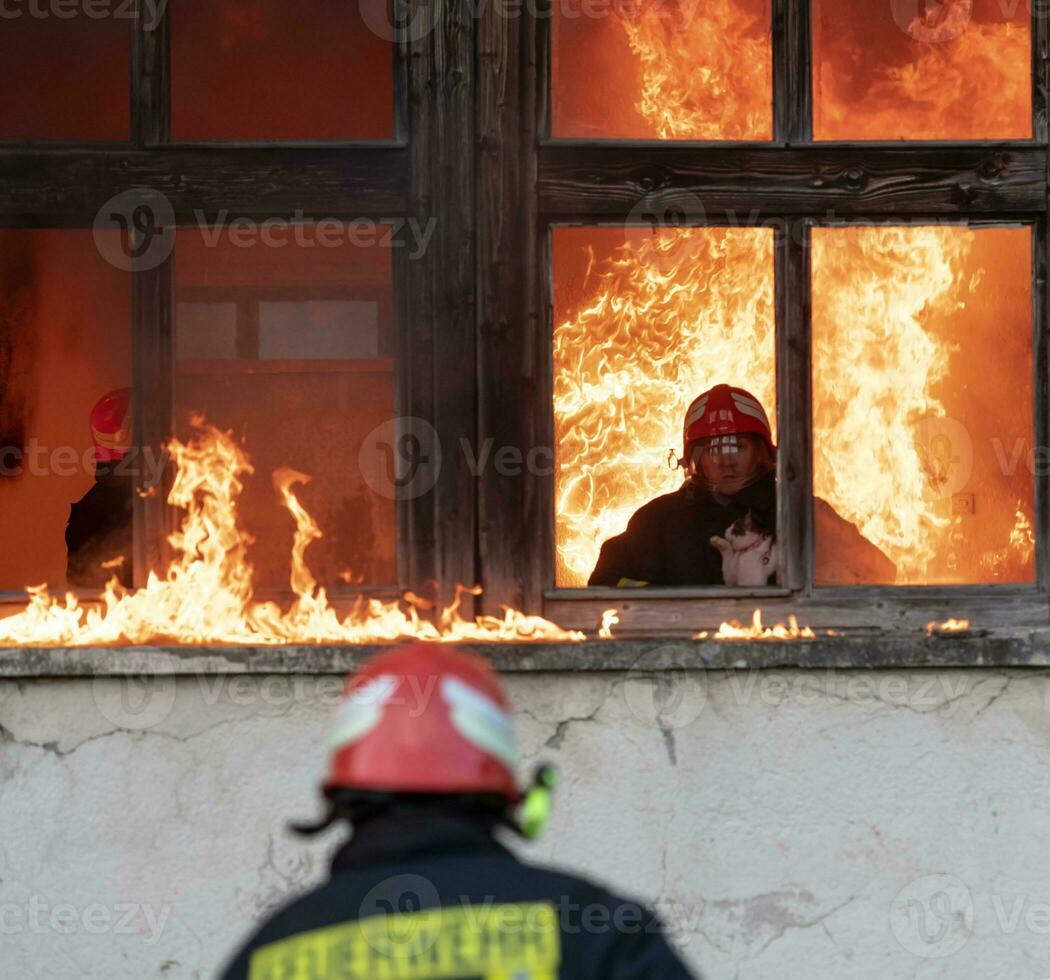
(725, 410)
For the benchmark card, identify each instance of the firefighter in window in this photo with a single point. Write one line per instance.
(719, 527)
(98, 535)
(422, 768)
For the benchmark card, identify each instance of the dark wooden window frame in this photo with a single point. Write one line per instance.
(424, 172)
(471, 152)
(790, 182)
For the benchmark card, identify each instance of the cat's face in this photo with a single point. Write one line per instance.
(744, 532)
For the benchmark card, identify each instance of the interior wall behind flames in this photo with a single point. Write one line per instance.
(65, 318)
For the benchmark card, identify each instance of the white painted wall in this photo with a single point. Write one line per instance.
(791, 825)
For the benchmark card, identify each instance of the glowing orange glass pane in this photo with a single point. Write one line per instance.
(922, 401)
(65, 77)
(662, 69)
(955, 70)
(643, 322)
(291, 348)
(66, 342)
(272, 70)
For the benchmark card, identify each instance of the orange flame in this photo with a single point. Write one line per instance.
(872, 291)
(756, 631)
(205, 595)
(881, 299)
(964, 80)
(1020, 547)
(706, 69)
(950, 625)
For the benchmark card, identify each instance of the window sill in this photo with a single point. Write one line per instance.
(871, 608)
(901, 649)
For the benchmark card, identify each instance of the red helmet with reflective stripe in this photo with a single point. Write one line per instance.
(724, 410)
(424, 718)
(111, 425)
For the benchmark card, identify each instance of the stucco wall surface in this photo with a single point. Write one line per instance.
(788, 824)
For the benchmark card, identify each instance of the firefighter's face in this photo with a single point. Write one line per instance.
(727, 463)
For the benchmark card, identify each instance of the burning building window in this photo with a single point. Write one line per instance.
(649, 69)
(63, 78)
(65, 341)
(644, 321)
(292, 349)
(922, 400)
(954, 70)
(269, 70)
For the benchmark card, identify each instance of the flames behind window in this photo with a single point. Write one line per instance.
(922, 398)
(955, 70)
(662, 69)
(644, 321)
(291, 348)
(65, 340)
(273, 70)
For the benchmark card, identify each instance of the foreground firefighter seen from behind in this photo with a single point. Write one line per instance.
(422, 767)
(719, 527)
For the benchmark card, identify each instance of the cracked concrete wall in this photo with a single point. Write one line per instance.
(788, 824)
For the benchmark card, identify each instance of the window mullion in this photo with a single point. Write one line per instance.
(153, 364)
(792, 86)
(794, 428)
(1041, 408)
(150, 75)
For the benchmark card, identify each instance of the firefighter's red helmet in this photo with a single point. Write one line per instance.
(724, 410)
(424, 718)
(111, 425)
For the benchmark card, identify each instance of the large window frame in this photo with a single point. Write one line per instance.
(62, 184)
(472, 153)
(792, 183)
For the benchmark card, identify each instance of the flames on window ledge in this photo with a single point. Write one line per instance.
(206, 593)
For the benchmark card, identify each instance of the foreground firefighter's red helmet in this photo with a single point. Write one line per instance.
(722, 411)
(111, 425)
(424, 718)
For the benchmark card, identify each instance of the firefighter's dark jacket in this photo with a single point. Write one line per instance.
(668, 540)
(459, 904)
(99, 530)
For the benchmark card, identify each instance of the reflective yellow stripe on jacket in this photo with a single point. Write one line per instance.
(496, 942)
